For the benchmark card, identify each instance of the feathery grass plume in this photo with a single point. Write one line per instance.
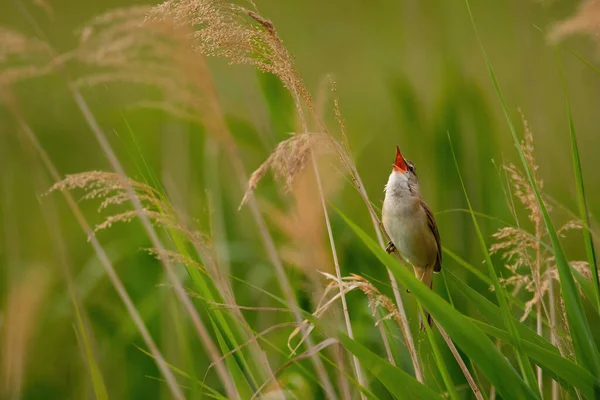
(22, 57)
(176, 258)
(188, 89)
(241, 35)
(288, 160)
(124, 46)
(111, 190)
(586, 20)
(245, 37)
(532, 267)
(151, 47)
(108, 186)
(334, 291)
(215, 28)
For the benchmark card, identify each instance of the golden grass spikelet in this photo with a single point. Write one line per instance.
(16, 44)
(345, 285)
(532, 266)
(288, 160)
(512, 244)
(123, 46)
(522, 188)
(134, 13)
(156, 217)
(111, 188)
(176, 258)
(100, 184)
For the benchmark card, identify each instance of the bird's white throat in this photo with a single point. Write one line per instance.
(399, 185)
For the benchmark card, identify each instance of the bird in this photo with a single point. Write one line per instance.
(410, 224)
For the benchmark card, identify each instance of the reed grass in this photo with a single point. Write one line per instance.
(216, 283)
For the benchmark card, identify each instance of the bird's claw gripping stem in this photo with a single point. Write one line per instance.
(390, 248)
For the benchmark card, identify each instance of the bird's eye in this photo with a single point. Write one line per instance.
(411, 166)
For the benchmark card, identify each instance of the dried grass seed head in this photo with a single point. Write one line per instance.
(513, 245)
(111, 189)
(289, 159)
(241, 35)
(124, 46)
(333, 292)
(522, 251)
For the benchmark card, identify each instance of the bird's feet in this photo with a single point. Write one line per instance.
(390, 248)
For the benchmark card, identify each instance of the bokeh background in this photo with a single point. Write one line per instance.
(407, 73)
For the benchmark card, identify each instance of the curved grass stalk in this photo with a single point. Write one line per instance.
(359, 374)
(454, 351)
(180, 292)
(355, 362)
(348, 161)
(523, 360)
(404, 327)
(380, 231)
(215, 121)
(104, 260)
(439, 360)
(584, 214)
(583, 342)
(82, 324)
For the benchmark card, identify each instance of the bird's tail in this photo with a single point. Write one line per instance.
(426, 277)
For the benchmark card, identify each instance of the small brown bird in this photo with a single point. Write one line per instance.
(410, 223)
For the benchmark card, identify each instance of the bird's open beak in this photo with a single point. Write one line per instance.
(400, 164)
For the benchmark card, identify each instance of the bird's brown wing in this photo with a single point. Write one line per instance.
(436, 234)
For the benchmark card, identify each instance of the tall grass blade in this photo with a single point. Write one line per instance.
(581, 201)
(212, 392)
(565, 370)
(473, 381)
(439, 359)
(537, 347)
(500, 291)
(468, 266)
(103, 257)
(463, 332)
(583, 341)
(586, 62)
(97, 380)
(399, 383)
(491, 312)
(225, 327)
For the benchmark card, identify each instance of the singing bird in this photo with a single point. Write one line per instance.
(410, 223)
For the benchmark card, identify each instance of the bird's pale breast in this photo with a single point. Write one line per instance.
(407, 225)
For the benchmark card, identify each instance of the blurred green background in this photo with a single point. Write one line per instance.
(407, 73)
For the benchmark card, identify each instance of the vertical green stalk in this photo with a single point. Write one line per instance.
(581, 202)
(585, 348)
(479, 394)
(439, 359)
(509, 322)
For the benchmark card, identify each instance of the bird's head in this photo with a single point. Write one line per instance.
(403, 176)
